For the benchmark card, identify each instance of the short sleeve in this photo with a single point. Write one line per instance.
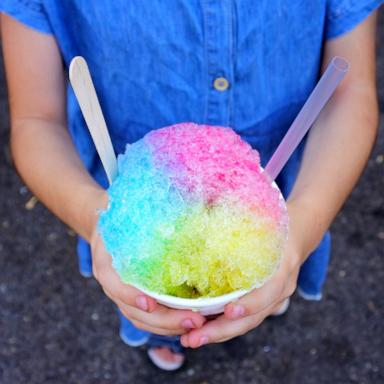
(29, 12)
(344, 15)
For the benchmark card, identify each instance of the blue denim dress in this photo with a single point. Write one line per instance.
(245, 64)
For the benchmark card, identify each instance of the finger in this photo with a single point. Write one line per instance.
(258, 318)
(256, 301)
(110, 281)
(163, 317)
(281, 285)
(158, 331)
(223, 329)
(213, 331)
(127, 295)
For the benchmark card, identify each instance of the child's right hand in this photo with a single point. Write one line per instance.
(144, 312)
(40, 137)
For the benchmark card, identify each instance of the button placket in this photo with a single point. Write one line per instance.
(218, 22)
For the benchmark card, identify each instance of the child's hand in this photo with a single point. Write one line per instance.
(139, 308)
(250, 310)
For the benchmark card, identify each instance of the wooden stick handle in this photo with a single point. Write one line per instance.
(85, 92)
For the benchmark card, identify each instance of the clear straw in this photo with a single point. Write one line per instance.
(320, 95)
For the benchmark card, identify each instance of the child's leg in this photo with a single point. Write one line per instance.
(84, 257)
(131, 335)
(314, 271)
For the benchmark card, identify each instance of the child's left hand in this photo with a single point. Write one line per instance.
(320, 188)
(250, 310)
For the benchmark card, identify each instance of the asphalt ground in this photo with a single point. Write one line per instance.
(57, 327)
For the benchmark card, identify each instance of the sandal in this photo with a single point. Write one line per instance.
(169, 345)
(282, 309)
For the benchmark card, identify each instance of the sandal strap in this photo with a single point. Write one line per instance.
(171, 342)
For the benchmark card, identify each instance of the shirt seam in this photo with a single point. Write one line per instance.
(345, 11)
(32, 6)
(230, 62)
(206, 92)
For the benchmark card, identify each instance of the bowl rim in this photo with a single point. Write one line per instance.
(196, 302)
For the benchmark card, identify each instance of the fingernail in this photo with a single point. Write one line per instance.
(238, 311)
(188, 323)
(142, 303)
(203, 340)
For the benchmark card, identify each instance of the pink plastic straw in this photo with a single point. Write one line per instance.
(320, 95)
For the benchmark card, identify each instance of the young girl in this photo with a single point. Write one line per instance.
(245, 64)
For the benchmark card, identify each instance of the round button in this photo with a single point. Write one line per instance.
(221, 84)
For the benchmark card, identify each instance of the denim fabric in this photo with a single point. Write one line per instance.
(154, 64)
(171, 342)
(314, 271)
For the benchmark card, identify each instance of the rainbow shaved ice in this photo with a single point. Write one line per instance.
(191, 214)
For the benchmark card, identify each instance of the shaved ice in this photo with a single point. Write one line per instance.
(192, 214)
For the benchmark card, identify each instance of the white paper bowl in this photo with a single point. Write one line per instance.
(206, 305)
